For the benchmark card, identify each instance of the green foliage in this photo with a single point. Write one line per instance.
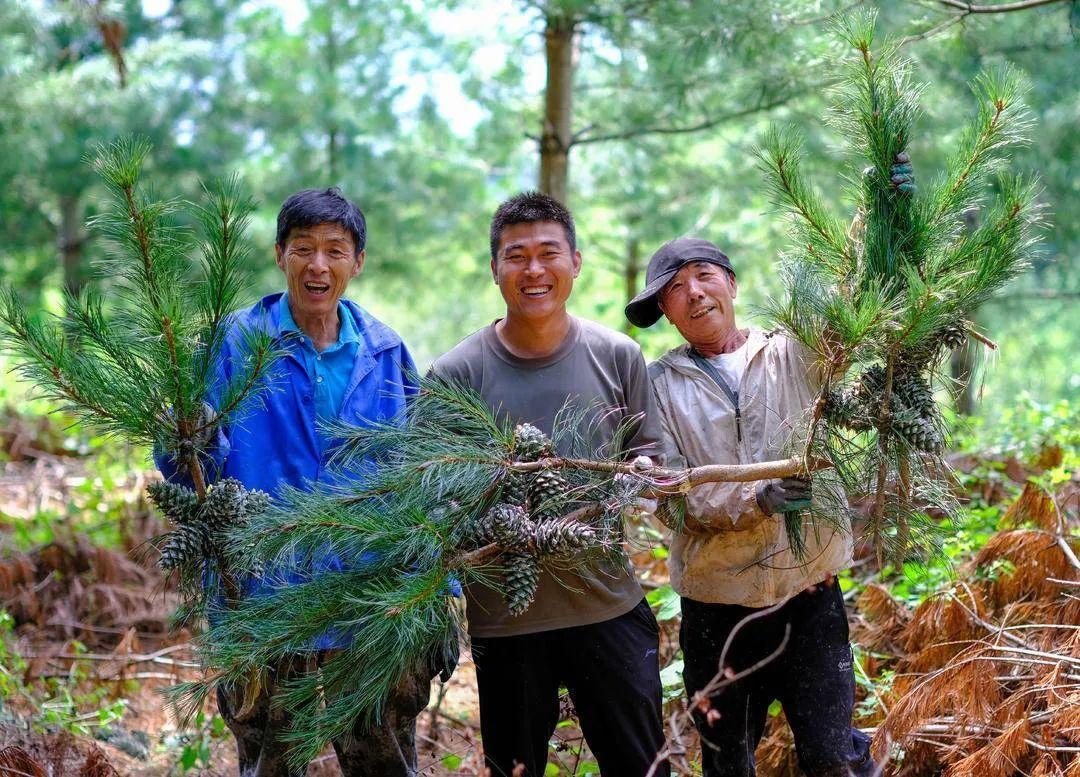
(893, 292)
(197, 745)
(413, 526)
(59, 703)
(143, 369)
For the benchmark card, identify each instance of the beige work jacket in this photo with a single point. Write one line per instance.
(729, 551)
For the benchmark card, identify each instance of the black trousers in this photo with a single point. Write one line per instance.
(813, 679)
(612, 671)
(388, 750)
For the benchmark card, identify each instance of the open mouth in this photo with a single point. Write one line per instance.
(702, 311)
(317, 288)
(535, 291)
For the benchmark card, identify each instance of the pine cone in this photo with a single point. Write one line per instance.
(870, 385)
(511, 527)
(515, 489)
(546, 491)
(522, 578)
(557, 538)
(919, 432)
(177, 503)
(914, 392)
(953, 335)
(189, 544)
(224, 504)
(256, 502)
(844, 410)
(530, 444)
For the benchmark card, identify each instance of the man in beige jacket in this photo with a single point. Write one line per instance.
(735, 396)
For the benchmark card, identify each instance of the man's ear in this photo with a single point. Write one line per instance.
(359, 265)
(495, 271)
(577, 262)
(279, 252)
(734, 285)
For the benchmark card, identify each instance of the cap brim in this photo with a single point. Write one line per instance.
(643, 311)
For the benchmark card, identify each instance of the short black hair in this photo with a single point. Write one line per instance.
(528, 208)
(311, 207)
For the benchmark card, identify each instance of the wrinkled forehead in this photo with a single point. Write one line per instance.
(327, 231)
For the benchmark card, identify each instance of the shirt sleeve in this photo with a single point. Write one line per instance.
(645, 434)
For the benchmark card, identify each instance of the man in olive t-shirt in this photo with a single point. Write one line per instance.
(593, 632)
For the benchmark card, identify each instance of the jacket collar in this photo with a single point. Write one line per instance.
(678, 359)
(372, 335)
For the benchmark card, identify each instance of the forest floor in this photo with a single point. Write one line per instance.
(86, 644)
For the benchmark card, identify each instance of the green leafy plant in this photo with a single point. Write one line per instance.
(69, 702)
(139, 362)
(884, 299)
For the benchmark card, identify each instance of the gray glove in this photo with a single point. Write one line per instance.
(901, 174)
(781, 496)
(202, 433)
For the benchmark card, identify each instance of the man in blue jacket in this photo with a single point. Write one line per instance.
(340, 364)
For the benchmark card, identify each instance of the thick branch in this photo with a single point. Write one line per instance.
(702, 125)
(664, 482)
(667, 481)
(1023, 5)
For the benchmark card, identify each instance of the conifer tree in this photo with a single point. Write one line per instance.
(137, 359)
(886, 298)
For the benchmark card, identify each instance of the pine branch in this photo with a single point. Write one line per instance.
(1022, 5)
(780, 155)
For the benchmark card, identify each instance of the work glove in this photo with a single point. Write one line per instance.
(781, 496)
(639, 508)
(901, 174)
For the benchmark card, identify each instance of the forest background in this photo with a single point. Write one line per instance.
(643, 114)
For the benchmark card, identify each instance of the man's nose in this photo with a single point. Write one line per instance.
(694, 290)
(321, 261)
(533, 266)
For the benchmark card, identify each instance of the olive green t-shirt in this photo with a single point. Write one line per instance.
(593, 367)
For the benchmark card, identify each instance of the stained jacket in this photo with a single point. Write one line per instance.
(730, 552)
(275, 441)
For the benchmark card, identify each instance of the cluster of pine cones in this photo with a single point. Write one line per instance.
(526, 522)
(199, 526)
(914, 414)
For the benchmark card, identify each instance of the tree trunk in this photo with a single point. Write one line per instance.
(556, 135)
(332, 129)
(630, 273)
(71, 243)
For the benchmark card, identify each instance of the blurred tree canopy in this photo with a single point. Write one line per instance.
(644, 114)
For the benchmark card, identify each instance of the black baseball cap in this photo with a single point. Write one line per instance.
(642, 310)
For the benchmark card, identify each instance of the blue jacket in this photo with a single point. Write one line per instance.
(275, 442)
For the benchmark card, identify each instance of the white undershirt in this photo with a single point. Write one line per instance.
(731, 365)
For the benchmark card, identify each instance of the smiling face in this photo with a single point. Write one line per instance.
(318, 263)
(699, 301)
(535, 269)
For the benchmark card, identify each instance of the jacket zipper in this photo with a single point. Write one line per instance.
(732, 394)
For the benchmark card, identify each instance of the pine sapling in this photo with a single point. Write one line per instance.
(882, 301)
(143, 367)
